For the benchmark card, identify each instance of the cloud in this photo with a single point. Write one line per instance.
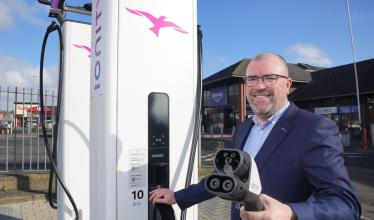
(16, 73)
(214, 63)
(5, 18)
(25, 10)
(310, 54)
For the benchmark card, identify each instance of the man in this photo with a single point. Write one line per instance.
(298, 155)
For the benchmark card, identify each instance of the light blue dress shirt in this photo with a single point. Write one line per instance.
(259, 134)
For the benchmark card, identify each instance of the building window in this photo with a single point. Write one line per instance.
(206, 97)
(233, 93)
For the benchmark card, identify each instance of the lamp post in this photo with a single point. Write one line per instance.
(362, 126)
(36, 93)
(37, 120)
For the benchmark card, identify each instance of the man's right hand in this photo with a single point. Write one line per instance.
(162, 195)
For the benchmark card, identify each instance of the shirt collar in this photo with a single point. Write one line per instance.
(274, 118)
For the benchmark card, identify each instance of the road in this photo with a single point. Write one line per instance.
(361, 171)
(16, 148)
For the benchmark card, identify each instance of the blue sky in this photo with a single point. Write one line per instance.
(314, 32)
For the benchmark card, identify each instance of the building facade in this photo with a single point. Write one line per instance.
(332, 93)
(327, 91)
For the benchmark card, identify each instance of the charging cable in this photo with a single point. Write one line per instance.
(196, 134)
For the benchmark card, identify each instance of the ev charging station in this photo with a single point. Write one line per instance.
(143, 94)
(73, 139)
(129, 108)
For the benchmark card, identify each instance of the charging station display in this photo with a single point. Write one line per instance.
(158, 147)
(158, 140)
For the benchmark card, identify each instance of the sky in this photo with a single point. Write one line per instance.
(315, 32)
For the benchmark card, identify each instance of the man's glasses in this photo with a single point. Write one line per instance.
(268, 80)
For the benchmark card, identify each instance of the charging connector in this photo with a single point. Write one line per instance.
(236, 179)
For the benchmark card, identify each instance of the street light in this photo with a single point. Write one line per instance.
(37, 119)
(362, 126)
(36, 93)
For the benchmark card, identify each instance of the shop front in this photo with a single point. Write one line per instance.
(346, 118)
(221, 109)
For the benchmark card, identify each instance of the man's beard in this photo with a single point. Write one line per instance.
(262, 111)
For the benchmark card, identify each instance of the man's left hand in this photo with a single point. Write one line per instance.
(273, 209)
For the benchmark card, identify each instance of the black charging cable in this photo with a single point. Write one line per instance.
(52, 156)
(163, 212)
(196, 132)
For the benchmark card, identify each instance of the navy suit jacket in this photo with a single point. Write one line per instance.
(301, 164)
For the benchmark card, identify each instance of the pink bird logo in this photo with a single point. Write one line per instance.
(88, 49)
(158, 23)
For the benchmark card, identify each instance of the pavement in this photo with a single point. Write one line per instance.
(213, 209)
(31, 210)
(40, 210)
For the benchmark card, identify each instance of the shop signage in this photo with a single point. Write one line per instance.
(348, 109)
(326, 110)
(218, 96)
(354, 108)
(344, 109)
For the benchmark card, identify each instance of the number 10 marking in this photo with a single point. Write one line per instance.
(138, 194)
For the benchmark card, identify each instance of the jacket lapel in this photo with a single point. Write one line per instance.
(276, 136)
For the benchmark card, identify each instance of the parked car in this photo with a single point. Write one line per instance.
(3, 125)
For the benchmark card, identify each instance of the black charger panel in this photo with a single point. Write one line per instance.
(158, 140)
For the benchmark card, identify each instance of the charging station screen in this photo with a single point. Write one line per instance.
(159, 111)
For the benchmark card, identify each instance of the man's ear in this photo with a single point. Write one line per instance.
(289, 83)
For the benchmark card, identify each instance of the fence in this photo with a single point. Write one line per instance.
(21, 142)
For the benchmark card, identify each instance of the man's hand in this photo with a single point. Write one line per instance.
(273, 210)
(162, 195)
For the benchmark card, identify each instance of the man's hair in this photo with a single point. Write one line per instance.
(264, 55)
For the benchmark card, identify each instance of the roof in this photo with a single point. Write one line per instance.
(338, 81)
(298, 72)
(235, 70)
